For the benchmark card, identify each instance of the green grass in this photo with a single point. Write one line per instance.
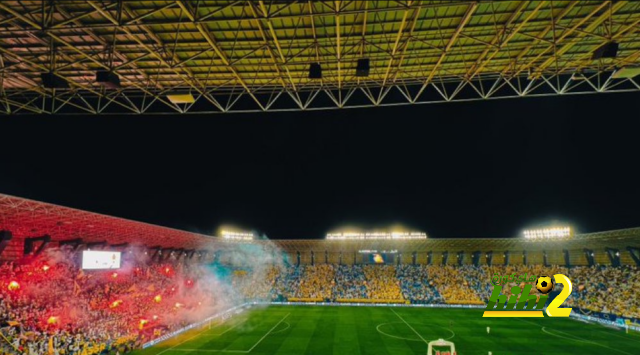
(393, 330)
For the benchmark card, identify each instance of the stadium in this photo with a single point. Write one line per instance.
(319, 177)
(349, 293)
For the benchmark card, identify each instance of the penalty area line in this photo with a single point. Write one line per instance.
(269, 332)
(190, 338)
(228, 330)
(235, 351)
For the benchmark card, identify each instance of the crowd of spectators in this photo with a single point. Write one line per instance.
(606, 289)
(598, 288)
(316, 281)
(451, 283)
(382, 283)
(50, 306)
(416, 285)
(479, 278)
(257, 284)
(350, 282)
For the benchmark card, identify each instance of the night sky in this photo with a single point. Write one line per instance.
(479, 169)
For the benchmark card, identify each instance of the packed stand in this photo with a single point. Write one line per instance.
(257, 284)
(382, 283)
(316, 281)
(416, 285)
(287, 281)
(452, 285)
(606, 289)
(484, 289)
(350, 282)
(50, 306)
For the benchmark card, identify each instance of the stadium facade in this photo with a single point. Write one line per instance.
(30, 226)
(172, 282)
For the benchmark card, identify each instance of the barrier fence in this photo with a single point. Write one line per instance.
(222, 315)
(607, 319)
(368, 304)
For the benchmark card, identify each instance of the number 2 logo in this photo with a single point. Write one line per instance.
(553, 309)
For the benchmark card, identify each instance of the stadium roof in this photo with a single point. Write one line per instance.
(238, 56)
(616, 238)
(26, 218)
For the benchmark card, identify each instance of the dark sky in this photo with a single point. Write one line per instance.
(482, 169)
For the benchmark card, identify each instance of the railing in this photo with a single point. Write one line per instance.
(369, 304)
(222, 315)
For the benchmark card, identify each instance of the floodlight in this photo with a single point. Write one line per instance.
(626, 73)
(548, 233)
(181, 98)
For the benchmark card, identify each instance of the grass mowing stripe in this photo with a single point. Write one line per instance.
(577, 338)
(223, 333)
(193, 337)
(409, 325)
(264, 336)
(574, 337)
(314, 330)
(235, 351)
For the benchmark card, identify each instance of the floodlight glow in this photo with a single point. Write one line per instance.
(237, 235)
(548, 233)
(376, 236)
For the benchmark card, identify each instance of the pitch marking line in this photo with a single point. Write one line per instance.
(630, 337)
(571, 337)
(575, 337)
(282, 330)
(197, 334)
(453, 334)
(235, 326)
(409, 325)
(236, 351)
(264, 336)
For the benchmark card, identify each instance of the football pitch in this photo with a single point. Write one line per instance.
(393, 330)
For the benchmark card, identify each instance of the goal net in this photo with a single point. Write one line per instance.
(441, 347)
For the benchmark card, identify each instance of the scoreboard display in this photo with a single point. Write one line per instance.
(100, 260)
(378, 258)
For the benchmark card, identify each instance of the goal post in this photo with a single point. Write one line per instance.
(450, 348)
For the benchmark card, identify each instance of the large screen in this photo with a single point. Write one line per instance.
(378, 258)
(99, 260)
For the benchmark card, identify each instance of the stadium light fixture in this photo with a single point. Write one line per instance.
(229, 235)
(626, 73)
(181, 98)
(376, 236)
(548, 233)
